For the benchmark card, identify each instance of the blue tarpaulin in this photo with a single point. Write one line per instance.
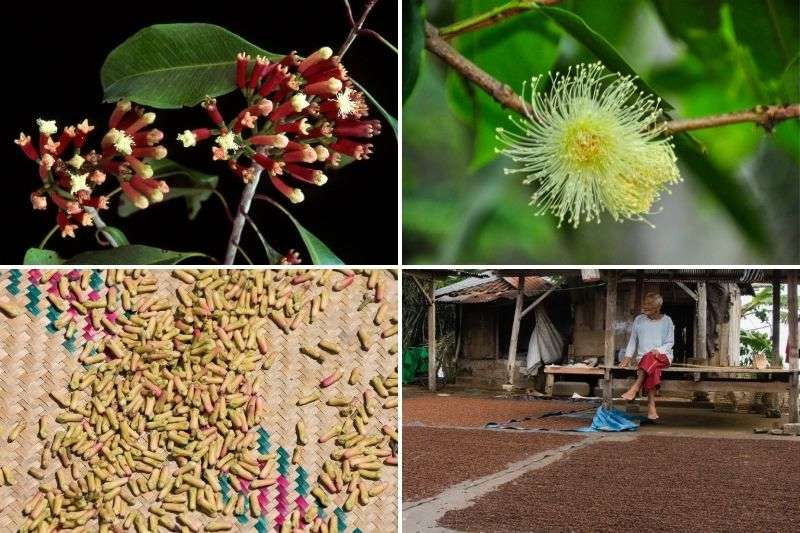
(611, 420)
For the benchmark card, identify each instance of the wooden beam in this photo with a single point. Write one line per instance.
(776, 319)
(702, 321)
(687, 290)
(512, 344)
(431, 337)
(536, 302)
(428, 298)
(639, 293)
(676, 385)
(610, 318)
(791, 345)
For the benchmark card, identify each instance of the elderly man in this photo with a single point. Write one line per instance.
(652, 337)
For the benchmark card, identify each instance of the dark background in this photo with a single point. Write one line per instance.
(54, 73)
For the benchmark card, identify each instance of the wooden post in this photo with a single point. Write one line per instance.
(701, 352)
(776, 319)
(432, 336)
(639, 293)
(512, 344)
(610, 318)
(791, 345)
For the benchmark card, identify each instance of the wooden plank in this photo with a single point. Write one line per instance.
(639, 293)
(776, 319)
(536, 302)
(716, 370)
(549, 383)
(675, 385)
(431, 337)
(579, 370)
(610, 318)
(512, 344)
(791, 345)
(701, 352)
(687, 290)
(600, 370)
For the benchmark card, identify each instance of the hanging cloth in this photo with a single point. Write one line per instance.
(545, 345)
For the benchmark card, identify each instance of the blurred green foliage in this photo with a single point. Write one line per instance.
(703, 57)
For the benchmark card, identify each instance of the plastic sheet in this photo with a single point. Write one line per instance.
(611, 420)
(545, 346)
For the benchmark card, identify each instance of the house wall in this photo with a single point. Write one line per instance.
(479, 331)
(588, 338)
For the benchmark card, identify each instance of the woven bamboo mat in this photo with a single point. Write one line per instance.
(36, 358)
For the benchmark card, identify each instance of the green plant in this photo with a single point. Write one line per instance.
(302, 118)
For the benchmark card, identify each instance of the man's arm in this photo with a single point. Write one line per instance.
(630, 350)
(669, 340)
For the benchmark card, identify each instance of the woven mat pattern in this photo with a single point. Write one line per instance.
(35, 359)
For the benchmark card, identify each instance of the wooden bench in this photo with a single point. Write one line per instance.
(694, 378)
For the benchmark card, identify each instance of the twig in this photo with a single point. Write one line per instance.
(381, 38)
(491, 17)
(244, 206)
(101, 226)
(496, 89)
(356, 27)
(47, 237)
(766, 116)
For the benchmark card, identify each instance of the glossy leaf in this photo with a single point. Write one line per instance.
(132, 254)
(597, 44)
(318, 251)
(770, 29)
(119, 237)
(413, 43)
(193, 186)
(174, 65)
(505, 52)
(41, 256)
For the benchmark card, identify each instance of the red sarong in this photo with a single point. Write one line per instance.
(652, 363)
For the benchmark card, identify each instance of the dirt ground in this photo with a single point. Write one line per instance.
(652, 483)
(465, 411)
(437, 458)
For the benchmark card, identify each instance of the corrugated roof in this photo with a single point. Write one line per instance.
(489, 288)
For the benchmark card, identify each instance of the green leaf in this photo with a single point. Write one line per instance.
(505, 52)
(132, 254)
(685, 20)
(40, 256)
(119, 237)
(597, 44)
(173, 65)
(192, 185)
(413, 43)
(734, 196)
(770, 29)
(319, 253)
(389, 118)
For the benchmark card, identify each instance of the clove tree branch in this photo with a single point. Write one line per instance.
(356, 26)
(492, 17)
(241, 214)
(765, 116)
(101, 226)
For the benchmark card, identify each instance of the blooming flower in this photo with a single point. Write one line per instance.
(301, 115)
(70, 175)
(592, 144)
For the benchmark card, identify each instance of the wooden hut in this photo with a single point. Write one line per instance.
(593, 310)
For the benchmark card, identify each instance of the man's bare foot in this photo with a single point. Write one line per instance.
(629, 395)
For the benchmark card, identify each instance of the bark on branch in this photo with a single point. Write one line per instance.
(765, 116)
(492, 17)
